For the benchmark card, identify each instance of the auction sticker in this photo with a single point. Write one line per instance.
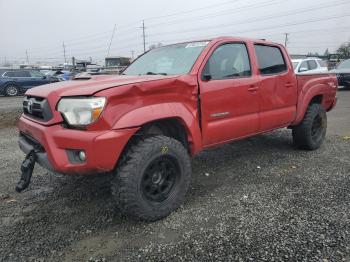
(196, 44)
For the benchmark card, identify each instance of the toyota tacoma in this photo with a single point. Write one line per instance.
(168, 105)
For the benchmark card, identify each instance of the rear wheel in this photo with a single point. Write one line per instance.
(153, 179)
(11, 90)
(310, 133)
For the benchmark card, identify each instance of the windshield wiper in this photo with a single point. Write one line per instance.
(153, 73)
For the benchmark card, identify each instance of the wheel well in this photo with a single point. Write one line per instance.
(11, 83)
(170, 127)
(316, 100)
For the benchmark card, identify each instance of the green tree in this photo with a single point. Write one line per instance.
(344, 50)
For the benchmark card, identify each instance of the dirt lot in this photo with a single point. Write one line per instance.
(257, 199)
(10, 110)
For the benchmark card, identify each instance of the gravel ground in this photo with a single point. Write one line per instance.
(256, 199)
(10, 110)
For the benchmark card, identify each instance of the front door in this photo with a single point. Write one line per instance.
(229, 95)
(38, 79)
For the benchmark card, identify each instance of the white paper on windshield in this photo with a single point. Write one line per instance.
(196, 44)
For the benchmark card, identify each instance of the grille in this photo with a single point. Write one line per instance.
(37, 108)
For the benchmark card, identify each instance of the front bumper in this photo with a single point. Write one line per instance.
(102, 148)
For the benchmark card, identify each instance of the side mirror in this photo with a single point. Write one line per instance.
(206, 77)
(303, 69)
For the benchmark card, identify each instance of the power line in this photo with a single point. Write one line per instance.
(219, 14)
(101, 35)
(252, 20)
(190, 11)
(222, 25)
(206, 36)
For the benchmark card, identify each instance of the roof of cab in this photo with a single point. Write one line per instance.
(229, 38)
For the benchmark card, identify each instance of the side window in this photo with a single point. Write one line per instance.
(304, 66)
(9, 74)
(228, 61)
(35, 74)
(312, 64)
(270, 59)
(20, 74)
(25, 74)
(17, 74)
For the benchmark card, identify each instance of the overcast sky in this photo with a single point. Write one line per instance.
(86, 26)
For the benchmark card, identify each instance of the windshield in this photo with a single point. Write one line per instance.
(168, 60)
(295, 64)
(344, 65)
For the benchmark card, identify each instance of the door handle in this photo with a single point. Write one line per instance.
(253, 88)
(288, 85)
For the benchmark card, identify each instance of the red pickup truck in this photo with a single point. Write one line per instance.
(168, 105)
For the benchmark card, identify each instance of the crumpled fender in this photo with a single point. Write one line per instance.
(146, 114)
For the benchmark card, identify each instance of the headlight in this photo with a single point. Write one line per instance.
(81, 111)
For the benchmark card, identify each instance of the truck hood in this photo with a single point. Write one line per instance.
(90, 85)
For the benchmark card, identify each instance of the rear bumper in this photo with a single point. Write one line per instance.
(102, 148)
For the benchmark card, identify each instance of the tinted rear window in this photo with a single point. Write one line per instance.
(18, 74)
(270, 59)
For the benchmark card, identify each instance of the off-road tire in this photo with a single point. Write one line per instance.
(310, 133)
(127, 189)
(11, 90)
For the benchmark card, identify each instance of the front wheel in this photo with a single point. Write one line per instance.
(153, 179)
(310, 133)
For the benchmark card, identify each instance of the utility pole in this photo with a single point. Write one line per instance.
(110, 43)
(286, 39)
(64, 53)
(132, 54)
(73, 63)
(27, 57)
(144, 36)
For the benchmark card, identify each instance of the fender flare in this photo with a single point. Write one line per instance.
(143, 115)
(305, 97)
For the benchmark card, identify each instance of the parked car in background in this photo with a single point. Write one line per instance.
(15, 82)
(60, 75)
(343, 73)
(309, 65)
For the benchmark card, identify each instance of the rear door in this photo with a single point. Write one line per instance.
(278, 87)
(22, 78)
(228, 94)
